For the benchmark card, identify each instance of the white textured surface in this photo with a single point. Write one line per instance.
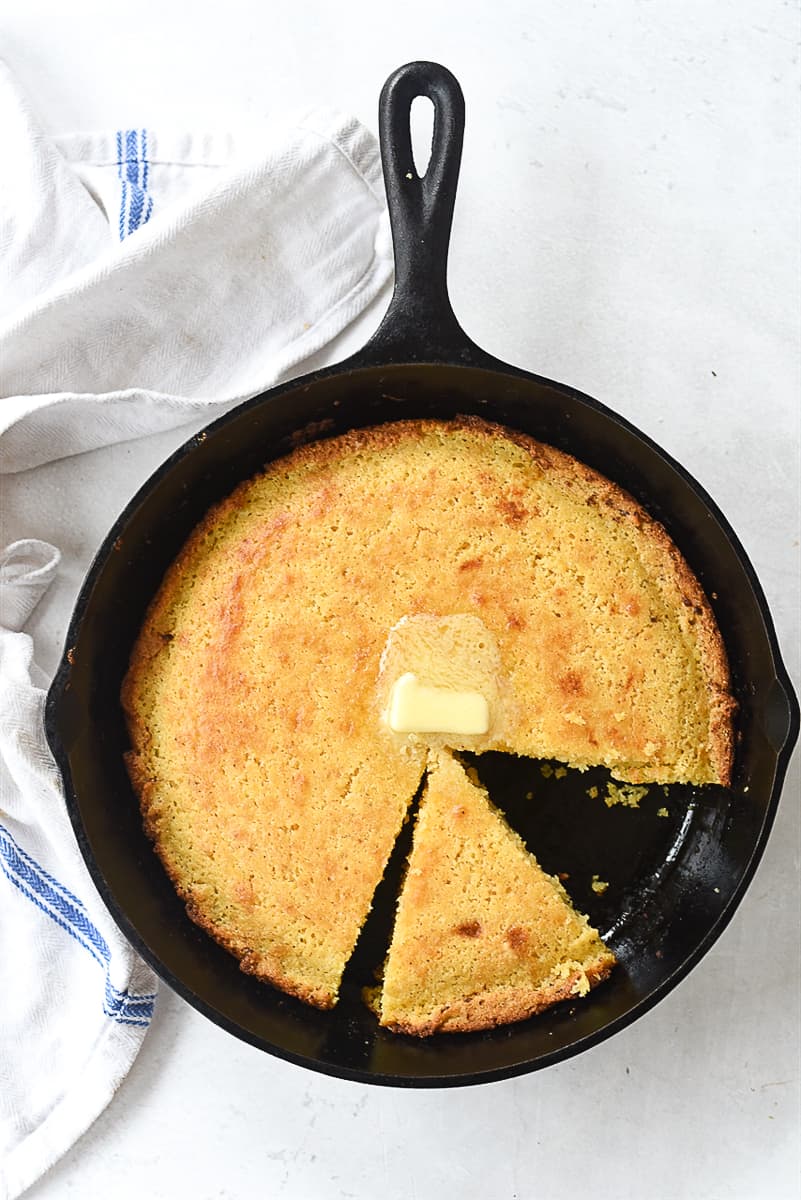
(627, 222)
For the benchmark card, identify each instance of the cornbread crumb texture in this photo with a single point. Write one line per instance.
(626, 794)
(267, 779)
(547, 770)
(482, 935)
(605, 650)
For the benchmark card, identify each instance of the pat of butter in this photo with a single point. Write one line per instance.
(415, 708)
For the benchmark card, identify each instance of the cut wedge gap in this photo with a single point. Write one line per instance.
(565, 821)
(371, 947)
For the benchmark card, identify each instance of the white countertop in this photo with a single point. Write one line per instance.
(627, 222)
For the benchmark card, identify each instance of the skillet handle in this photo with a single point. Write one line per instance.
(420, 324)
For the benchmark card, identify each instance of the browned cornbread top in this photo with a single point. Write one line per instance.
(271, 787)
(482, 935)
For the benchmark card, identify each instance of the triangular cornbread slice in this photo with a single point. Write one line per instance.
(482, 935)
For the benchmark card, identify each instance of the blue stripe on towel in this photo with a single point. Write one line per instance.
(69, 913)
(29, 873)
(23, 853)
(132, 156)
(133, 168)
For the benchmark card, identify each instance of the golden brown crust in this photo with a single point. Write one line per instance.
(623, 505)
(620, 506)
(249, 963)
(503, 1006)
(251, 693)
(596, 489)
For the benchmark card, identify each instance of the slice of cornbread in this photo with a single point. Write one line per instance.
(482, 935)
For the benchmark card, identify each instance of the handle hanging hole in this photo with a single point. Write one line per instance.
(421, 123)
(425, 138)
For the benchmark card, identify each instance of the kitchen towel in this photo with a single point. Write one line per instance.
(145, 280)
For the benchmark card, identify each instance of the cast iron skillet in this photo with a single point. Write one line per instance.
(674, 881)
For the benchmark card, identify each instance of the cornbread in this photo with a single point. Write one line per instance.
(268, 777)
(482, 935)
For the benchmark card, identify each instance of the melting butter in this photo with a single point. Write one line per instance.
(418, 708)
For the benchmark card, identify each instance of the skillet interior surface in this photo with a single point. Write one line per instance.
(673, 881)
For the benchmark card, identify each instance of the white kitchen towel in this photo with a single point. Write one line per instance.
(144, 281)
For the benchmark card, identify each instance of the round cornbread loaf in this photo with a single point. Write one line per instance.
(268, 780)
